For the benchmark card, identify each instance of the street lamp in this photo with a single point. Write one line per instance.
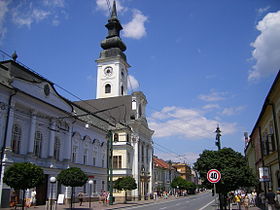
(90, 191)
(52, 181)
(218, 135)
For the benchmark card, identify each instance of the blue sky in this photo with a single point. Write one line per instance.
(199, 62)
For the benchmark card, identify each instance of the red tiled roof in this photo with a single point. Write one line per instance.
(160, 163)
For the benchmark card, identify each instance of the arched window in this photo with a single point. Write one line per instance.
(56, 151)
(16, 138)
(107, 88)
(38, 143)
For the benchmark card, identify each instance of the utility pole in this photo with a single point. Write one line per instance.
(110, 166)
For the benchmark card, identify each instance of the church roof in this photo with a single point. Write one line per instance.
(117, 109)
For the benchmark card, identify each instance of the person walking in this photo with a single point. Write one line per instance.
(277, 199)
(81, 197)
(270, 197)
(246, 201)
(237, 200)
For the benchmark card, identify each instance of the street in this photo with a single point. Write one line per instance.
(192, 202)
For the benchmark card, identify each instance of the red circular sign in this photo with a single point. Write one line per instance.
(213, 176)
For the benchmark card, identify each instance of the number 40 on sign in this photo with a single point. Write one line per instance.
(213, 176)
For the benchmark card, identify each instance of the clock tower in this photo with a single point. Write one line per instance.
(112, 67)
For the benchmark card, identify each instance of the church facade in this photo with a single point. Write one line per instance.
(132, 137)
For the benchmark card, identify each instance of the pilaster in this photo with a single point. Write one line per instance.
(51, 140)
(32, 133)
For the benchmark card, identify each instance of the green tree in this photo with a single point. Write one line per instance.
(235, 172)
(125, 183)
(179, 183)
(73, 177)
(23, 176)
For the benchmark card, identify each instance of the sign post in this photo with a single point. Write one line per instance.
(214, 177)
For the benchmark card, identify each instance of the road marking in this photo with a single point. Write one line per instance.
(163, 208)
(203, 207)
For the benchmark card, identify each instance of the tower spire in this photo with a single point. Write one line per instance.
(113, 45)
(114, 11)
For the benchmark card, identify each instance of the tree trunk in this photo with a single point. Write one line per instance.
(125, 196)
(23, 199)
(221, 201)
(72, 195)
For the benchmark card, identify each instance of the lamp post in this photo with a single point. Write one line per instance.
(218, 135)
(52, 181)
(90, 191)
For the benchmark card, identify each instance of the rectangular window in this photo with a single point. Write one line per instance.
(74, 154)
(117, 161)
(94, 186)
(85, 157)
(103, 186)
(37, 143)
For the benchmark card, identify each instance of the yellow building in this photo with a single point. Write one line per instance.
(184, 170)
(263, 148)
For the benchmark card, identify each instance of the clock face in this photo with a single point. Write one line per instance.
(108, 71)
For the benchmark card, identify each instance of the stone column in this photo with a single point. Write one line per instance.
(51, 140)
(32, 133)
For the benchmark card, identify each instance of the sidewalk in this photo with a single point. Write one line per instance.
(94, 205)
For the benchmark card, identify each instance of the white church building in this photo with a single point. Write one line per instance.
(132, 139)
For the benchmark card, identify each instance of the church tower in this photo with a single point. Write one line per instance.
(112, 67)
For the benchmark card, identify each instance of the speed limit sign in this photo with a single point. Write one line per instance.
(213, 176)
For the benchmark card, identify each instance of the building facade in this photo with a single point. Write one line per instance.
(263, 147)
(164, 173)
(39, 126)
(184, 171)
(132, 137)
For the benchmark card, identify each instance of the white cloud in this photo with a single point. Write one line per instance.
(54, 3)
(211, 106)
(189, 157)
(189, 123)
(26, 13)
(266, 51)
(263, 10)
(27, 18)
(232, 110)
(102, 5)
(132, 82)
(213, 96)
(135, 28)
(3, 11)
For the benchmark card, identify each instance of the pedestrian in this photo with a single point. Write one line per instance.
(33, 198)
(81, 197)
(254, 198)
(277, 199)
(237, 200)
(270, 197)
(246, 201)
